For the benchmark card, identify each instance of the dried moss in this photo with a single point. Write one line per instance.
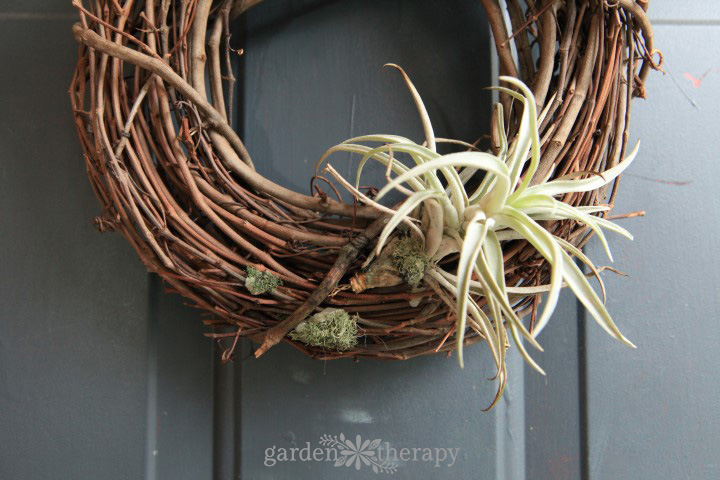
(258, 282)
(410, 260)
(332, 329)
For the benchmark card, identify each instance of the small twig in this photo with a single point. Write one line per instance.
(131, 117)
(347, 256)
(639, 213)
(533, 18)
(77, 4)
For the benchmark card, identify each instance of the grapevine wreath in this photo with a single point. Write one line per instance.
(464, 257)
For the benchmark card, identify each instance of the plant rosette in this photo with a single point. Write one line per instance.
(446, 218)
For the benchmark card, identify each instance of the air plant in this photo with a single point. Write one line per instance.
(448, 219)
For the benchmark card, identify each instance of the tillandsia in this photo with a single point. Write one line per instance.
(448, 218)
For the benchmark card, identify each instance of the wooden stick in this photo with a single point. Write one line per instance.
(347, 256)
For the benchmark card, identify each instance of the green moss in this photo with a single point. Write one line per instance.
(258, 282)
(332, 329)
(410, 260)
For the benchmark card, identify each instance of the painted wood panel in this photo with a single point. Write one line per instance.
(652, 411)
(314, 77)
(102, 375)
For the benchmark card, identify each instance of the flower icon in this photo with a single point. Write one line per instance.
(358, 451)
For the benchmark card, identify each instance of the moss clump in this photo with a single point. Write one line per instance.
(410, 260)
(332, 329)
(258, 282)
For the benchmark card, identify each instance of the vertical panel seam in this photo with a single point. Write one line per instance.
(151, 436)
(583, 422)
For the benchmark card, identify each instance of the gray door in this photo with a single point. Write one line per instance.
(103, 375)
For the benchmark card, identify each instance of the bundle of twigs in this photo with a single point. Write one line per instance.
(151, 97)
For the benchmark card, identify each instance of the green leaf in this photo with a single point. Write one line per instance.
(497, 347)
(368, 201)
(500, 120)
(486, 327)
(474, 238)
(380, 138)
(422, 111)
(492, 290)
(548, 248)
(402, 213)
(481, 161)
(563, 211)
(587, 296)
(398, 167)
(521, 348)
(559, 187)
(455, 184)
(382, 156)
(530, 110)
(569, 247)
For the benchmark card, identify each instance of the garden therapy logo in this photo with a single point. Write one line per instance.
(357, 453)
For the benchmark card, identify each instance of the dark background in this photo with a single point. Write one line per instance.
(102, 375)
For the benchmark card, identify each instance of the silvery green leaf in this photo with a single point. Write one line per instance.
(559, 187)
(485, 324)
(500, 330)
(594, 208)
(529, 202)
(583, 258)
(422, 111)
(492, 289)
(478, 160)
(523, 352)
(613, 227)
(548, 248)
(488, 182)
(466, 174)
(521, 145)
(563, 211)
(531, 111)
(381, 155)
(380, 138)
(587, 296)
(500, 120)
(492, 250)
(461, 159)
(418, 153)
(383, 158)
(494, 255)
(402, 213)
(368, 201)
(474, 238)
(590, 221)
(455, 185)
(497, 347)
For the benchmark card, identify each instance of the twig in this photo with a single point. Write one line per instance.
(347, 256)
(217, 122)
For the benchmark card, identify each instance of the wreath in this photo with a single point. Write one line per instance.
(480, 235)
